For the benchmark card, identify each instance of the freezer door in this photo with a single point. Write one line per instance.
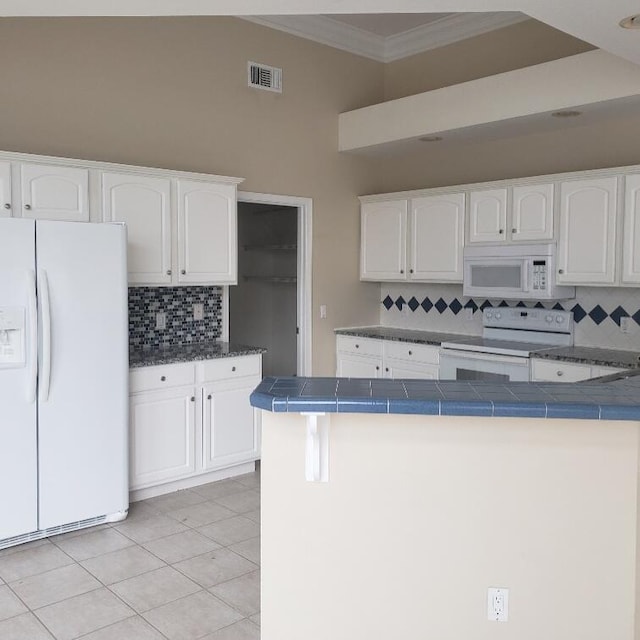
(83, 382)
(18, 361)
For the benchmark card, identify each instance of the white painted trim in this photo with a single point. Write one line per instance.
(445, 31)
(224, 330)
(509, 182)
(10, 156)
(436, 34)
(305, 281)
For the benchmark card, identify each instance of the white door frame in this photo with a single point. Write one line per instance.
(304, 279)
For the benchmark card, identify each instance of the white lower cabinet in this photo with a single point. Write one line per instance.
(555, 371)
(373, 358)
(179, 432)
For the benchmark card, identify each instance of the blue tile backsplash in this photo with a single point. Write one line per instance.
(597, 312)
(177, 303)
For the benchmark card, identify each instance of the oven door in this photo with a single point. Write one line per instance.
(489, 367)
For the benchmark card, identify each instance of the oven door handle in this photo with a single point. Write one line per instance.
(469, 356)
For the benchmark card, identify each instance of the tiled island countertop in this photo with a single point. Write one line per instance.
(189, 353)
(617, 400)
(583, 355)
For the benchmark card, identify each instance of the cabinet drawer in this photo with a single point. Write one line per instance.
(360, 346)
(553, 371)
(229, 368)
(412, 352)
(151, 378)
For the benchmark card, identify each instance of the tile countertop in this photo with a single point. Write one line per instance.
(189, 353)
(582, 355)
(618, 400)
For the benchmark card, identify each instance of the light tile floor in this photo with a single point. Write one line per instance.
(183, 566)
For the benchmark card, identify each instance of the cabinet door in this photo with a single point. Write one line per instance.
(162, 436)
(532, 212)
(5, 189)
(631, 237)
(230, 423)
(550, 371)
(400, 370)
(356, 366)
(144, 204)
(587, 238)
(207, 230)
(436, 235)
(488, 215)
(54, 193)
(383, 240)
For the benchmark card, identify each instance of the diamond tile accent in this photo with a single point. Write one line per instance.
(504, 303)
(400, 302)
(538, 305)
(558, 307)
(579, 313)
(470, 304)
(636, 316)
(486, 304)
(441, 305)
(455, 306)
(388, 303)
(413, 303)
(617, 314)
(427, 305)
(598, 314)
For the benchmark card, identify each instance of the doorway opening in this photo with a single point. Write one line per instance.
(270, 306)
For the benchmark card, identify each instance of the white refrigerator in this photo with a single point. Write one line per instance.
(63, 377)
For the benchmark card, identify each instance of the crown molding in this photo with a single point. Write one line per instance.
(447, 31)
(424, 38)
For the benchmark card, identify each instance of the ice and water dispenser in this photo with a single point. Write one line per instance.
(12, 337)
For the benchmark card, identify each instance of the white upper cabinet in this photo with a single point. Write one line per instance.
(54, 193)
(207, 232)
(5, 189)
(631, 236)
(587, 236)
(532, 212)
(436, 238)
(383, 240)
(488, 215)
(144, 204)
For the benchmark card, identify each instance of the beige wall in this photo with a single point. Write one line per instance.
(172, 93)
(422, 514)
(521, 45)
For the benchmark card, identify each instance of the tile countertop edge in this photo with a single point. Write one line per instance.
(190, 353)
(582, 401)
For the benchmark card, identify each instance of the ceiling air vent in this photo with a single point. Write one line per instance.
(262, 76)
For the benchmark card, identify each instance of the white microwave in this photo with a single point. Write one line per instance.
(513, 272)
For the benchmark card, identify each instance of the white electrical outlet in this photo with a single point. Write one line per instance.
(625, 324)
(161, 320)
(469, 313)
(323, 311)
(498, 604)
(198, 311)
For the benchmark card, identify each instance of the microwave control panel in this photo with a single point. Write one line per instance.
(539, 280)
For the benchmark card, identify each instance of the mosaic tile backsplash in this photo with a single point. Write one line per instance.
(177, 303)
(596, 311)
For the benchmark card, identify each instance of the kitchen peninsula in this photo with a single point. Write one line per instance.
(390, 507)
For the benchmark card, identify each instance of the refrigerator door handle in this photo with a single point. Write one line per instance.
(33, 337)
(46, 336)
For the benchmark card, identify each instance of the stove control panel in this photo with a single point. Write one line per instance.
(548, 320)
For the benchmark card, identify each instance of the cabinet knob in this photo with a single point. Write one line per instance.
(183, 272)
(209, 397)
(560, 270)
(357, 346)
(401, 270)
(163, 378)
(233, 368)
(7, 205)
(27, 207)
(168, 272)
(410, 353)
(386, 369)
(560, 373)
(514, 231)
(410, 270)
(501, 231)
(377, 368)
(193, 398)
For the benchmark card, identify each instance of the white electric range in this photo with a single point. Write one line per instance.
(509, 336)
